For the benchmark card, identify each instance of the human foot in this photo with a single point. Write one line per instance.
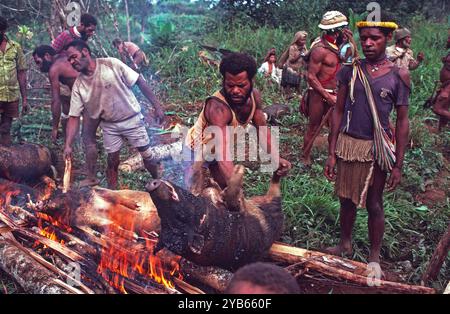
(338, 250)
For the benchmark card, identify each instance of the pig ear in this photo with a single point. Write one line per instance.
(196, 242)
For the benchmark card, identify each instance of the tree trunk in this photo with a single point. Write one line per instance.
(28, 273)
(438, 258)
(128, 20)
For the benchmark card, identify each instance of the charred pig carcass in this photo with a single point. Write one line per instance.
(99, 208)
(24, 163)
(212, 234)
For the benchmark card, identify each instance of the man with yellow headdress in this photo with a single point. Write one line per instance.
(362, 147)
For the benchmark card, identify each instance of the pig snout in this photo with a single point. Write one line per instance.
(153, 185)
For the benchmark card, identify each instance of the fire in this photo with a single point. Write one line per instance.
(49, 231)
(125, 258)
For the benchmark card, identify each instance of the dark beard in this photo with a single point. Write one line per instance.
(340, 39)
(230, 100)
(84, 36)
(46, 65)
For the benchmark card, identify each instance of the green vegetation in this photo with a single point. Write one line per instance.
(413, 224)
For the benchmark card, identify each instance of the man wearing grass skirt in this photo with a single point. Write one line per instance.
(361, 144)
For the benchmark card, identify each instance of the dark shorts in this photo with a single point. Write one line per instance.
(9, 109)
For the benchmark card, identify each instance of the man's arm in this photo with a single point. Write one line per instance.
(414, 63)
(72, 128)
(148, 93)
(336, 119)
(314, 66)
(219, 115)
(401, 129)
(401, 138)
(259, 121)
(56, 102)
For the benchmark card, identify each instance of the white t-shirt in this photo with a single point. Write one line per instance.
(106, 94)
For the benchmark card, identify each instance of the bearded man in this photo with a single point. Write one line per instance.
(401, 53)
(237, 104)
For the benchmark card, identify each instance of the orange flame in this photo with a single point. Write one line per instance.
(121, 260)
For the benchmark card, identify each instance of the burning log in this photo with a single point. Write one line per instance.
(160, 152)
(25, 162)
(210, 236)
(29, 274)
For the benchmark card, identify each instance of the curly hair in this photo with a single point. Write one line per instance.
(40, 51)
(235, 63)
(88, 20)
(271, 277)
(78, 44)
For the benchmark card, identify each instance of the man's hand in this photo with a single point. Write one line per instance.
(420, 57)
(331, 99)
(347, 32)
(394, 179)
(67, 152)
(283, 167)
(329, 170)
(25, 107)
(54, 135)
(159, 116)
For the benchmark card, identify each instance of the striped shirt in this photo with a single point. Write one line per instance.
(64, 38)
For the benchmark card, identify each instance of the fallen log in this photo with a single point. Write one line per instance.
(159, 152)
(29, 274)
(438, 258)
(340, 269)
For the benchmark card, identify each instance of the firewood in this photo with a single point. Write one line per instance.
(394, 287)
(214, 277)
(338, 268)
(10, 239)
(438, 258)
(67, 175)
(29, 274)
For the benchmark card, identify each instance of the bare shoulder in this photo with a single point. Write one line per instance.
(258, 98)
(217, 113)
(318, 54)
(404, 75)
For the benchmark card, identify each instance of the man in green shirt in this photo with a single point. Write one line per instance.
(13, 79)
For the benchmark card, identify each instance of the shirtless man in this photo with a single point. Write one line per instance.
(442, 102)
(236, 104)
(61, 71)
(323, 64)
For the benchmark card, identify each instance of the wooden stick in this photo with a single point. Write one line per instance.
(67, 175)
(322, 123)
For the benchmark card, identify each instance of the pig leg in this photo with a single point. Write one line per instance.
(197, 180)
(232, 195)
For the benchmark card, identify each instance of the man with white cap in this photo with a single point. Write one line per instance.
(401, 53)
(323, 64)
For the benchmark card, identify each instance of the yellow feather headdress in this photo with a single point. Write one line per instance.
(362, 24)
